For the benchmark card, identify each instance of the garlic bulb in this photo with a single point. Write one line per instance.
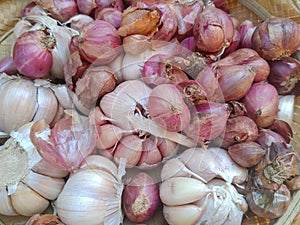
(23, 100)
(27, 182)
(196, 189)
(92, 195)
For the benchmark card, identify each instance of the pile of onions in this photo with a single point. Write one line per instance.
(133, 110)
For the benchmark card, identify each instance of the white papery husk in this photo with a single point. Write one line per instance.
(92, 195)
(23, 100)
(27, 182)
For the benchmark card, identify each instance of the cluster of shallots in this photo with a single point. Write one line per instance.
(145, 111)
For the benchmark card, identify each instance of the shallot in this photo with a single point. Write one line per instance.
(276, 37)
(140, 198)
(262, 104)
(32, 53)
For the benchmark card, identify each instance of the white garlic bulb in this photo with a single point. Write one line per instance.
(92, 195)
(27, 182)
(23, 100)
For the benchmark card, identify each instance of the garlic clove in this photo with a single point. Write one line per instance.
(6, 207)
(47, 105)
(129, 148)
(62, 95)
(46, 186)
(182, 190)
(183, 214)
(27, 202)
(19, 97)
(173, 168)
(45, 168)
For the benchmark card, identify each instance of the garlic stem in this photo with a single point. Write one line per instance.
(256, 8)
(149, 126)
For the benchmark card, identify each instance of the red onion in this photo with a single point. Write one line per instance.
(157, 70)
(233, 45)
(283, 128)
(26, 10)
(267, 136)
(7, 65)
(246, 154)
(262, 103)
(110, 15)
(140, 198)
(235, 81)
(246, 30)
(32, 53)
(208, 79)
(238, 129)
(247, 56)
(213, 29)
(284, 74)
(276, 37)
(167, 108)
(99, 42)
(61, 10)
(208, 121)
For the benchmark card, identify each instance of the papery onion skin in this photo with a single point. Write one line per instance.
(283, 128)
(32, 53)
(167, 108)
(284, 74)
(213, 29)
(157, 70)
(208, 121)
(262, 103)
(99, 42)
(267, 136)
(276, 37)
(140, 198)
(139, 21)
(168, 21)
(267, 203)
